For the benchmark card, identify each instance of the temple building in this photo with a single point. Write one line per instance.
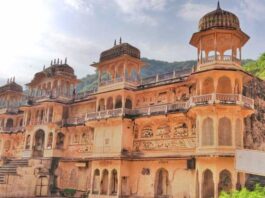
(169, 135)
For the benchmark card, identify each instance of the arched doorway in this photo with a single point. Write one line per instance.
(104, 182)
(38, 147)
(161, 183)
(225, 181)
(208, 184)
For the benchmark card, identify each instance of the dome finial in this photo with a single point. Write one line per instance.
(218, 5)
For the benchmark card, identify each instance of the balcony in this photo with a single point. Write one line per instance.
(11, 129)
(49, 96)
(11, 110)
(73, 121)
(117, 83)
(219, 60)
(182, 106)
(237, 99)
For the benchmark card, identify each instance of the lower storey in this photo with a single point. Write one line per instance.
(126, 178)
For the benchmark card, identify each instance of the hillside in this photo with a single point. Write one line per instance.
(154, 67)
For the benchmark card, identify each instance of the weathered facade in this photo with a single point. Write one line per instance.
(170, 135)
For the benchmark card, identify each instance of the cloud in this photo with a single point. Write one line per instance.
(138, 10)
(81, 5)
(191, 11)
(253, 9)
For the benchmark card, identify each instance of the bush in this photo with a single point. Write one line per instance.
(258, 192)
(68, 192)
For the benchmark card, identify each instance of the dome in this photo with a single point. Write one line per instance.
(219, 19)
(119, 50)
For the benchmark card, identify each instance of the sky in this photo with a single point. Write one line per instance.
(34, 32)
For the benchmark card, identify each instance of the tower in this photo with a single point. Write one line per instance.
(219, 105)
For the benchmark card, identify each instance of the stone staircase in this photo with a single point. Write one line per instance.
(10, 168)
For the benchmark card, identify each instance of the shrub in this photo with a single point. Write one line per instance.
(69, 192)
(258, 192)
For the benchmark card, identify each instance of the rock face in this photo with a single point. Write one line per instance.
(254, 137)
(254, 133)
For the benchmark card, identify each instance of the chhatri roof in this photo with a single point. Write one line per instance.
(219, 18)
(11, 86)
(56, 69)
(119, 50)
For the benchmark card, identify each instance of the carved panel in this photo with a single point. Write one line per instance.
(147, 132)
(165, 144)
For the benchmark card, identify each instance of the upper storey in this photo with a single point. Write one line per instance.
(56, 81)
(119, 67)
(11, 96)
(219, 40)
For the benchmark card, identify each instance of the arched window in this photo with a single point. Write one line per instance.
(207, 86)
(128, 103)
(101, 105)
(60, 141)
(50, 114)
(27, 142)
(9, 123)
(21, 122)
(207, 132)
(85, 138)
(225, 182)
(50, 140)
(238, 133)
(224, 85)
(109, 103)
(224, 132)
(114, 182)
(208, 184)
(118, 103)
(75, 139)
(161, 183)
(104, 182)
(96, 182)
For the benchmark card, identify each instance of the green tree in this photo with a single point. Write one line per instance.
(257, 67)
(258, 192)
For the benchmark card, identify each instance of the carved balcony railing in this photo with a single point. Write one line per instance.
(11, 129)
(220, 59)
(12, 110)
(74, 121)
(181, 106)
(222, 99)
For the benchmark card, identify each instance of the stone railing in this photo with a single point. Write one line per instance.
(73, 121)
(166, 108)
(220, 59)
(222, 99)
(11, 129)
